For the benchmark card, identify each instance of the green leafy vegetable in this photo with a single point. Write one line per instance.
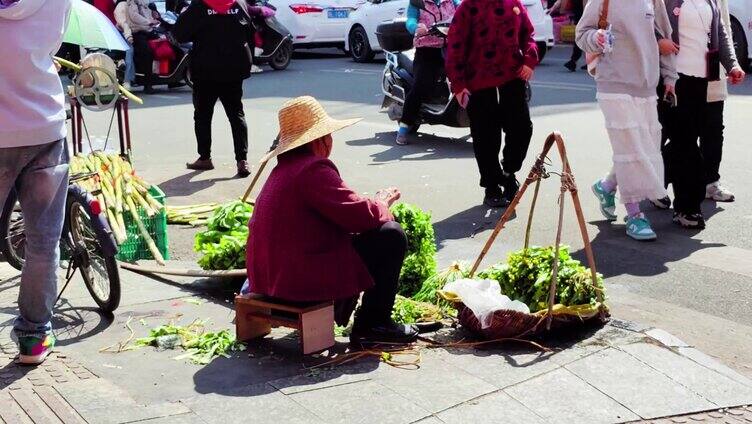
(407, 311)
(526, 276)
(436, 282)
(420, 262)
(200, 346)
(223, 244)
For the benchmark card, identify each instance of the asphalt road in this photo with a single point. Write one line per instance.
(697, 285)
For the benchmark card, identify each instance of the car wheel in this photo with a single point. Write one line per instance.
(360, 48)
(740, 43)
(542, 50)
(281, 60)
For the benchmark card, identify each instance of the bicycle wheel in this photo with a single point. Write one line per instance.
(12, 234)
(99, 271)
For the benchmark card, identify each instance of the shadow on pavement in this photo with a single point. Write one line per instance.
(422, 147)
(616, 254)
(74, 324)
(184, 185)
(274, 360)
(468, 223)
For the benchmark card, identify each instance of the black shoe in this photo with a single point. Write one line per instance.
(583, 67)
(243, 169)
(571, 66)
(149, 90)
(663, 203)
(690, 221)
(511, 186)
(200, 165)
(390, 332)
(494, 197)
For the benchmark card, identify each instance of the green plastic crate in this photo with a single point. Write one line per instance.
(134, 248)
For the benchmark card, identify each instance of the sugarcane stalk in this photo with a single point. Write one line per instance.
(145, 234)
(140, 200)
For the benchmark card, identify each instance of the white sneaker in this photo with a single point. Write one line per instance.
(718, 192)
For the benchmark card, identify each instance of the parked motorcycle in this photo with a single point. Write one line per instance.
(441, 107)
(273, 41)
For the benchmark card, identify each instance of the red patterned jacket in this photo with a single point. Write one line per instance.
(488, 43)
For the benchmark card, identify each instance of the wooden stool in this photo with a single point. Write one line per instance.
(257, 314)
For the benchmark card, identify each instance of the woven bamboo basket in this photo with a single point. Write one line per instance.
(513, 324)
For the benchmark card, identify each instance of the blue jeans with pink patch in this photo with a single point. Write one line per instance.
(39, 175)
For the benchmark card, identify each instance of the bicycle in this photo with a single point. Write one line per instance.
(87, 240)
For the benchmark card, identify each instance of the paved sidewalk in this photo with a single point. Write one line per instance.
(622, 372)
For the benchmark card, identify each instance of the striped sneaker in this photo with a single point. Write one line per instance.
(718, 192)
(607, 201)
(34, 350)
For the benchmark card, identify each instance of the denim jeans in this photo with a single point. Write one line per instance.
(130, 67)
(40, 177)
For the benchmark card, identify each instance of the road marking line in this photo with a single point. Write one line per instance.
(353, 71)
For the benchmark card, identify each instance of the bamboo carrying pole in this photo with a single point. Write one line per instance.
(233, 273)
(537, 173)
(259, 172)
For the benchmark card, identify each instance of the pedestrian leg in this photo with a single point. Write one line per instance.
(485, 128)
(204, 98)
(685, 158)
(42, 189)
(711, 141)
(517, 126)
(231, 96)
(383, 251)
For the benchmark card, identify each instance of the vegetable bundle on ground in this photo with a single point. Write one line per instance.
(527, 274)
(420, 262)
(222, 245)
(194, 215)
(122, 191)
(200, 346)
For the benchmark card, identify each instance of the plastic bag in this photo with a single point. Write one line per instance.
(484, 297)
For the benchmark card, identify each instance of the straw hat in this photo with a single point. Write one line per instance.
(301, 121)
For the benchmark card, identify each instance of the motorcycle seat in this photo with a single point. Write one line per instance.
(405, 60)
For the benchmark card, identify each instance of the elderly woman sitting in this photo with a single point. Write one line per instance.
(314, 239)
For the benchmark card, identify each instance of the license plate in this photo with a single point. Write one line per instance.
(338, 13)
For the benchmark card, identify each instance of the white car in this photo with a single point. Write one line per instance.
(314, 24)
(361, 41)
(741, 26)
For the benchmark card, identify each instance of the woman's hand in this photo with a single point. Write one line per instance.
(421, 31)
(388, 196)
(463, 98)
(667, 47)
(600, 37)
(670, 89)
(736, 76)
(526, 73)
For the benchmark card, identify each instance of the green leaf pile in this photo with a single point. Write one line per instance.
(223, 244)
(200, 346)
(408, 311)
(420, 262)
(526, 276)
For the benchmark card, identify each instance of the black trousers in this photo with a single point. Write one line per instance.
(427, 67)
(711, 141)
(684, 159)
(143, 57)
(492, 111)
(383, 251)
(205, 96)
(576, 50)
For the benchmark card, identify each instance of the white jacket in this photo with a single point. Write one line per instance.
(121, 17)
(718, 90)
(139, 15)
(32, 102)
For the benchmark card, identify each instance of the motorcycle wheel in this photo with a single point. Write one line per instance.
(360, 48)
(281, 60)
